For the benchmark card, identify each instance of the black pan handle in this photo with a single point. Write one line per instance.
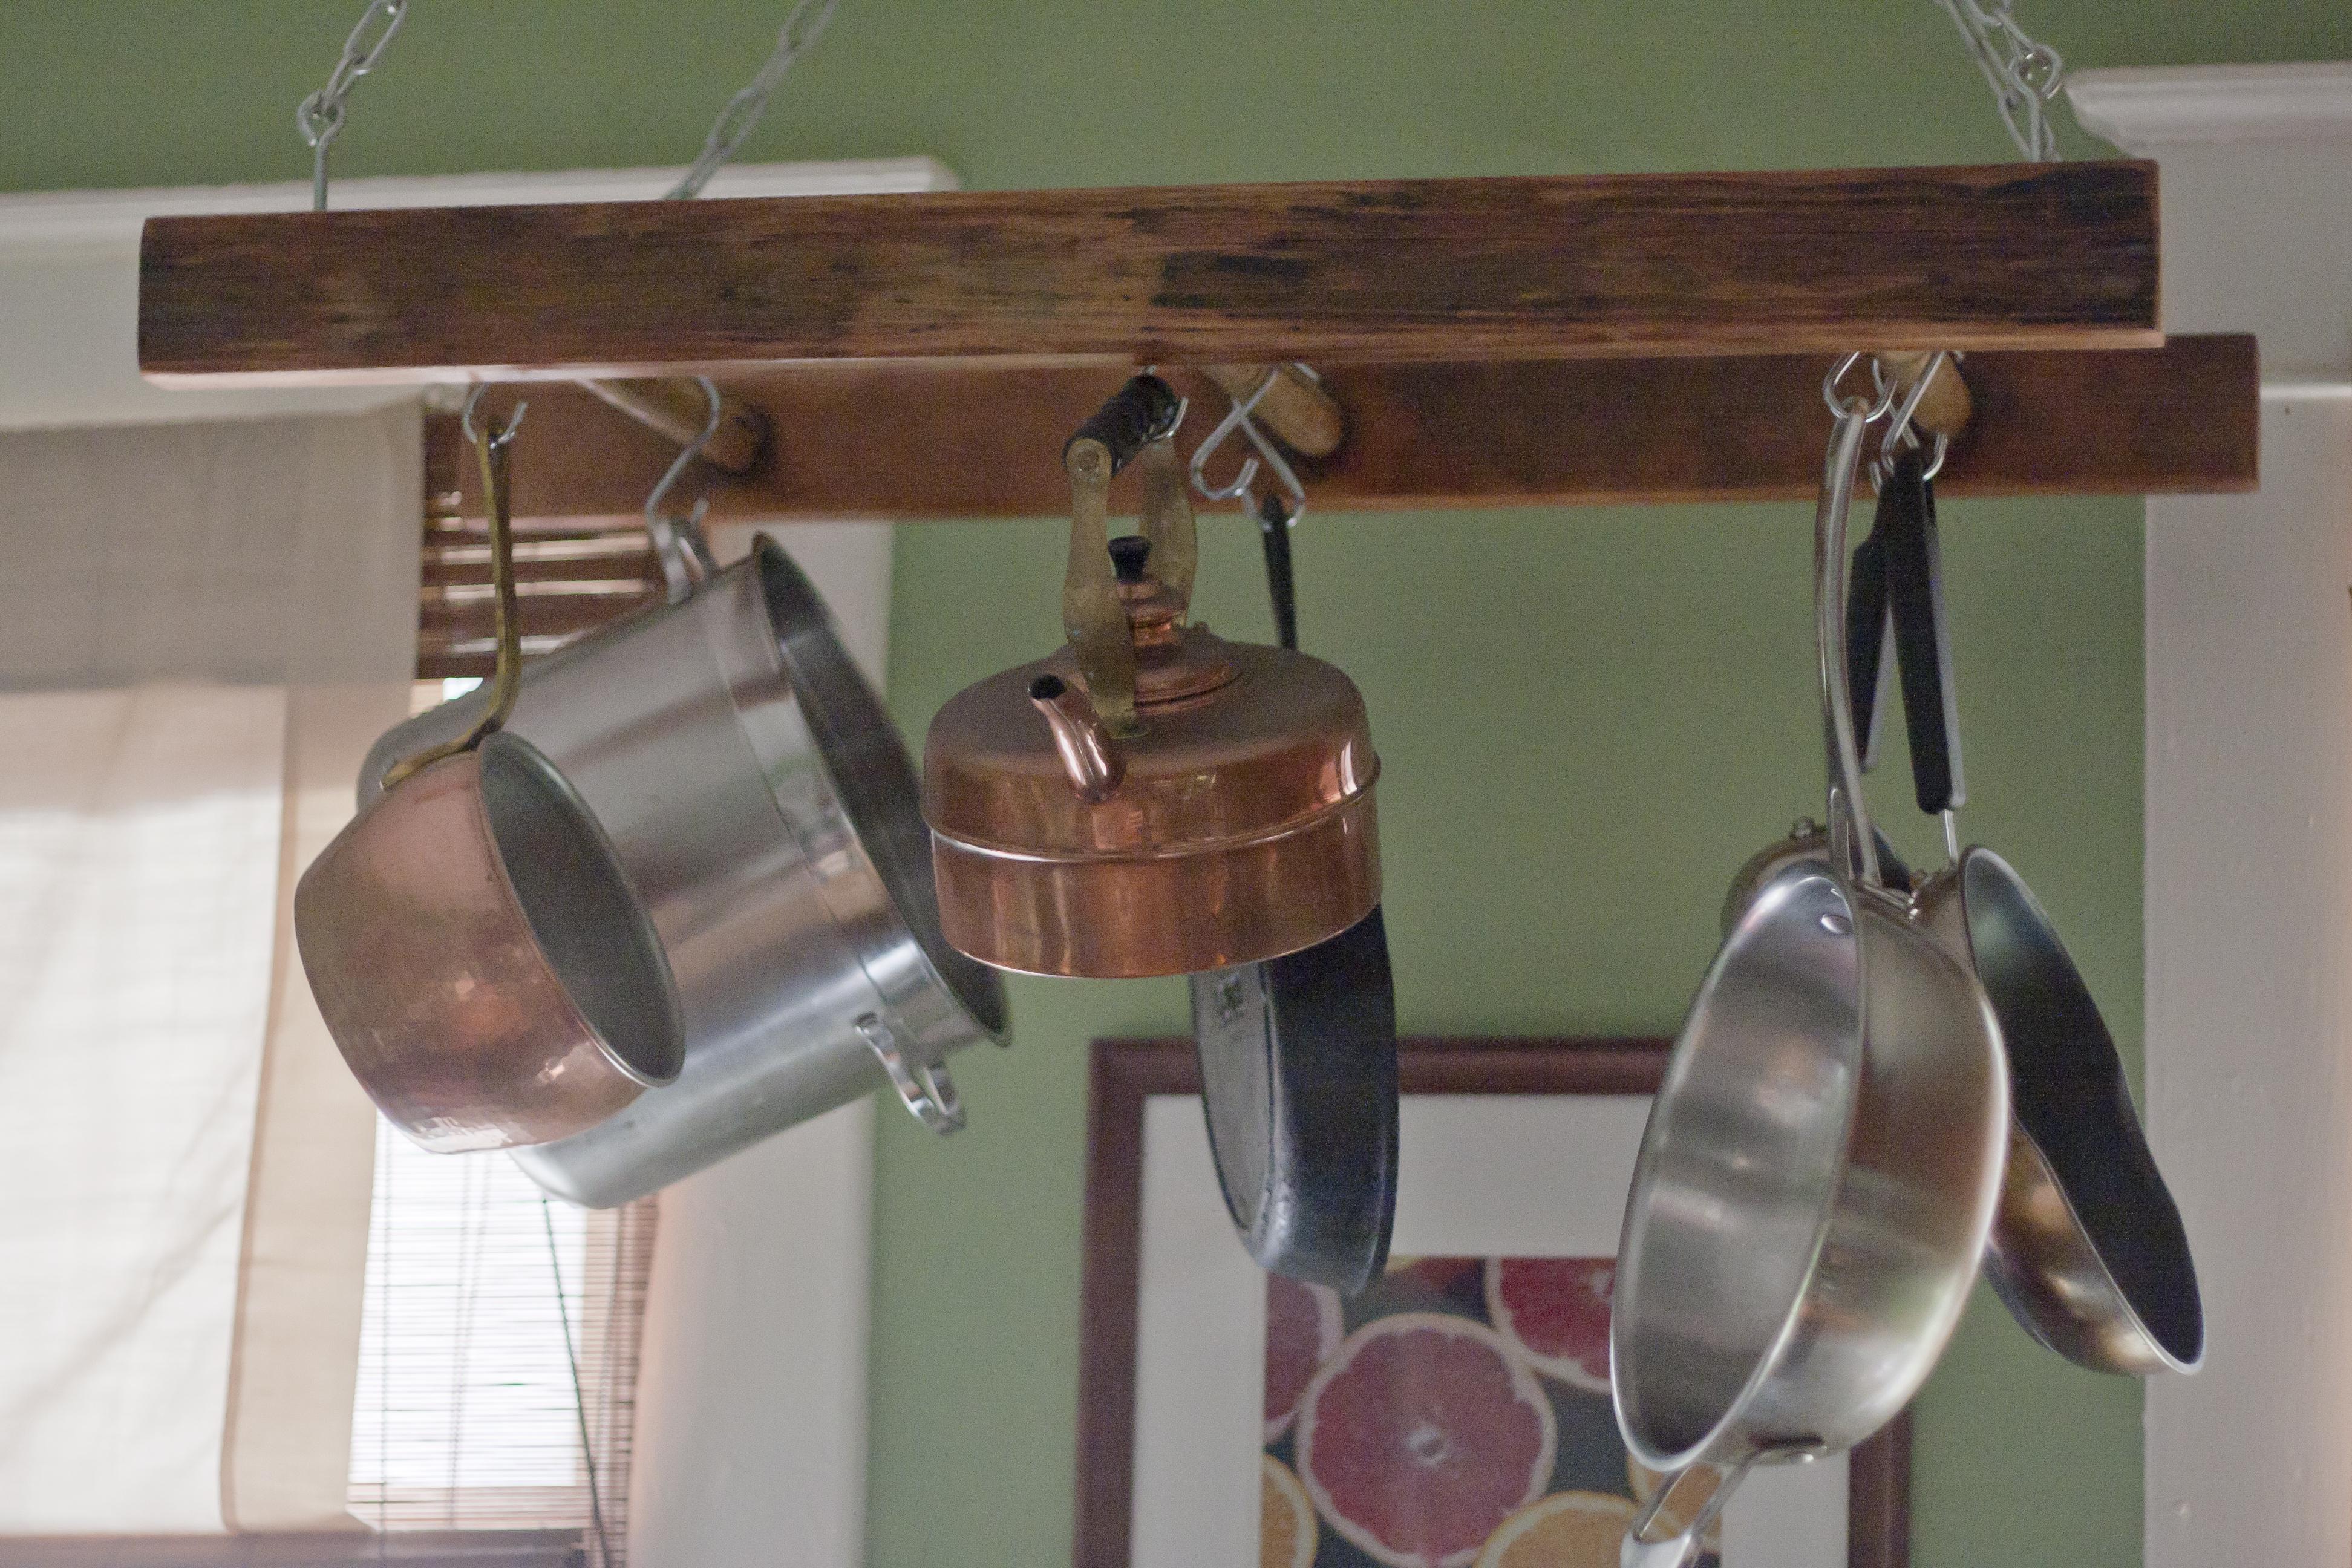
(1274, 523)
(1869, 630)
(1915, 588)
(1140, 413)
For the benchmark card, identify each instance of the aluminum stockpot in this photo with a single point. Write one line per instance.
(2088, 1251)
(480, 958)
(761, 802)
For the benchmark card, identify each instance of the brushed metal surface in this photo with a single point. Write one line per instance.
(762, 804)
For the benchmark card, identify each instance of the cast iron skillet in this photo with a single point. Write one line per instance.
(1298, 1075)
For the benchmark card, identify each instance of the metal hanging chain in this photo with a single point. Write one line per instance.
(320, 118)
(743, 111)
(2024, 76)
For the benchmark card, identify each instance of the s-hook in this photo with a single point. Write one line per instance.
(679, 544)
(1275, 513)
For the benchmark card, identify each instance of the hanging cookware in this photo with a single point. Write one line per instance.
(476, 948)
(2087, 1248)
(760, 797)
(1152, 799)
(1822, 1160)
(1869, 634)
(1298, 1074)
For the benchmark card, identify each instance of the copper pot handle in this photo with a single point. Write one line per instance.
(1140, 415)
(493, 448)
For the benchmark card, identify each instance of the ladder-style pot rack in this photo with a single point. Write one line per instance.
(1490, 342)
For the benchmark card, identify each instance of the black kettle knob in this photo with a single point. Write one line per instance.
(1130, 554)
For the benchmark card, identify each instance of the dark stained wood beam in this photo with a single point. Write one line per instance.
(945, 441)
(2011, 255)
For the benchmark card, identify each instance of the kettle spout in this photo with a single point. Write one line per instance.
(1088, 757)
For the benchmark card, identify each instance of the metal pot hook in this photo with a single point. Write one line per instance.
(1238, 417)
(678, 542)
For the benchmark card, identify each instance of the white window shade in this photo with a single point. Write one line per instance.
(201, 627)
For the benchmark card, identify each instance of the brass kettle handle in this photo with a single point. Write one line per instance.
(1137, 419)
(493, 448)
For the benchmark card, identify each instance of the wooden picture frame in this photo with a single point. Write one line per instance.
(1124, 1074)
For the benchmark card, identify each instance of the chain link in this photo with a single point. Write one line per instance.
(2024, 76)
(321, 115)
(743, 111)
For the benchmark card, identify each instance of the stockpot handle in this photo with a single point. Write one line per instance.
(923, 1085)
(1851, 839)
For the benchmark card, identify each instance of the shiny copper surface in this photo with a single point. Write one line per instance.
(1122, 917)
(1241, 828)
(439, 956)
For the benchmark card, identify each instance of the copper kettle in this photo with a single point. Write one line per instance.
(1150, 799)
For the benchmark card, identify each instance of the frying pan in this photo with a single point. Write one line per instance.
(1298, 1075)
(2087, 1250)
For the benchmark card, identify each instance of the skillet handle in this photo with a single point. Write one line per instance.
(1869, 637)
(1274, 524)
(1915, 589)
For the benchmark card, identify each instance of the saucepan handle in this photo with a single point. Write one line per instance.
(1680, 1549)
(1851, 839)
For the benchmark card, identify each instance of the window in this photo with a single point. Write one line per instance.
(470, 1414)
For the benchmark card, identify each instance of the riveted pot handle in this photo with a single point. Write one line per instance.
(924, 1087)
(1682, 1548)
(493, 449)
(1852, 840)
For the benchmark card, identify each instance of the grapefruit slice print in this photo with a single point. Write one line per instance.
(1286, 1531)
(1567, 1529)
(1554, 1313)
(1302, 1329)
(1422, 1436)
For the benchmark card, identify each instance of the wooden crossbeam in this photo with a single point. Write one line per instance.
(971, 441)
(2005, 256)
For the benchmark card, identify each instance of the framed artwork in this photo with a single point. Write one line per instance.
(1454, 1414)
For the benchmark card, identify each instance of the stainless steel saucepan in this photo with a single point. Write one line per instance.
(1822, 1160)
(764, 808)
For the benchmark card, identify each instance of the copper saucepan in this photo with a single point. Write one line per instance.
(476, 949)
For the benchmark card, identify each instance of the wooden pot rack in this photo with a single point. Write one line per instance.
(1490, 342)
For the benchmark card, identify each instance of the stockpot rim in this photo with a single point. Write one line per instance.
(838, 708)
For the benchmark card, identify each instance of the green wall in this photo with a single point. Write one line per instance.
(1586, 718)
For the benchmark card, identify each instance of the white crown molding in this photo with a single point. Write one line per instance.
(60, 218)
(2142, 110)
